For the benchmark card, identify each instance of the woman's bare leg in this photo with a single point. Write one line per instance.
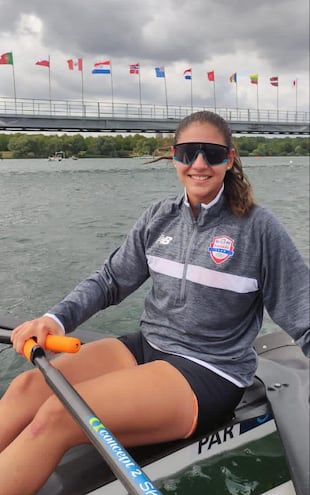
(142, 404)
(29, 390)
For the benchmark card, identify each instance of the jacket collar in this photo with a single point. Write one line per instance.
(207, 212)
(204, 205)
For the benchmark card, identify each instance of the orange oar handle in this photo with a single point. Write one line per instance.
(59, 343)
(53, 343)
(29, 345)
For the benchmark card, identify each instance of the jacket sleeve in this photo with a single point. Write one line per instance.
(285, 283)
(123, 272)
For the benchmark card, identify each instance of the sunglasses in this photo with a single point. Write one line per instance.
(214, 154)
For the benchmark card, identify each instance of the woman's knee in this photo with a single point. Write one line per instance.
(24, 384)
(53, 420)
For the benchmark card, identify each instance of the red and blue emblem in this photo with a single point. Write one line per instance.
(221, 248)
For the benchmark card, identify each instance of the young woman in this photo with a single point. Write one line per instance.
(216, 260)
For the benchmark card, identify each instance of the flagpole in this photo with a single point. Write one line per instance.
(257, 104)
(296, 97)
(214, 99)
(49, 83)
(82, 89)
(112, 92)
(166, 93)
(191, 92)
(236, 96)
(278, 102)
(14, 86)
(140, 100)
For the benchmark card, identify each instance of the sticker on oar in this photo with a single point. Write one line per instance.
(142, 482)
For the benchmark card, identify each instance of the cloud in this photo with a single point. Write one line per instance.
(269, 38)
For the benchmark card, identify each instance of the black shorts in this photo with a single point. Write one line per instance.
(217, 397)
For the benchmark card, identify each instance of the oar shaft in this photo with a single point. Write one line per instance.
(5, 336)
(119, 460)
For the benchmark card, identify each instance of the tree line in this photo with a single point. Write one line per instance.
(19, 145)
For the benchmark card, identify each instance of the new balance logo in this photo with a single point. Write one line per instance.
(164, 239)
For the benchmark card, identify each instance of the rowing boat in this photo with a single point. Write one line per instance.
(276, 402)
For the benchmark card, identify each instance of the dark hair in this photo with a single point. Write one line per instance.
(238, 190)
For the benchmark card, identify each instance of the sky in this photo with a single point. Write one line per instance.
(264, 37)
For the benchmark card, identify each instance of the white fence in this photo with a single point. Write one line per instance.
(97, 110)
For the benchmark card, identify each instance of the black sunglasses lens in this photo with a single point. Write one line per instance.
(187, 153)
(216, 154)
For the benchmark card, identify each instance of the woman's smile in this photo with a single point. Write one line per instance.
(199, 178)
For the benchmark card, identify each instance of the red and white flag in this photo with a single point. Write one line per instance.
(43, 62)
(274, 81)
(75, 64)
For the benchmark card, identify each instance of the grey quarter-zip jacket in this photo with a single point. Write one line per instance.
(211, 280)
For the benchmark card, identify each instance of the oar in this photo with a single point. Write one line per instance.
(287, 391)
(119, 460)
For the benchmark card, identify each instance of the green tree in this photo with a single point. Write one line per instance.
(20, 146)
(119, 146)
(4, 141)
(260, 150)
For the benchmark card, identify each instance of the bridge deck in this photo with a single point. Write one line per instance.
(77, 116)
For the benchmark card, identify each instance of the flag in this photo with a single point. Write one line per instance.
(274, 81)
(254, 78)
(211, 76)
(43, 62)
(294, 83)
(6, 58)
(160, 71)
(134, 69)
(187, 74)
(102, 67)
(76, 64)
(233, 77)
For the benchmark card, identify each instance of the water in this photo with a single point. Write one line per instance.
(234, 472)
(60, 220)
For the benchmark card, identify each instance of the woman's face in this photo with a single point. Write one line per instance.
(202, 181)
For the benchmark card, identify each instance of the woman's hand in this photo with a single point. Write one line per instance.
(39, 328)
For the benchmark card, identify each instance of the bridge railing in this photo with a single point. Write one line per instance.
(100, 109)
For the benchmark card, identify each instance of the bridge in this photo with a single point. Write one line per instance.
(25, 114)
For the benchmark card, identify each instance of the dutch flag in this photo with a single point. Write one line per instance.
(102, 67)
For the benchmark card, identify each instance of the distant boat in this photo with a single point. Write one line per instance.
(57, 157)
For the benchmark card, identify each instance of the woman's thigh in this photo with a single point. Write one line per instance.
(95, 359)
(149, 403)
(217, 397)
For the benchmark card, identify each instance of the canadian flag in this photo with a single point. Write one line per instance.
(75, 64)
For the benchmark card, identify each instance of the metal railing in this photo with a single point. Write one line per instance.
(103, 110)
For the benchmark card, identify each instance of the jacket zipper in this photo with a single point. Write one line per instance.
(188, 250)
